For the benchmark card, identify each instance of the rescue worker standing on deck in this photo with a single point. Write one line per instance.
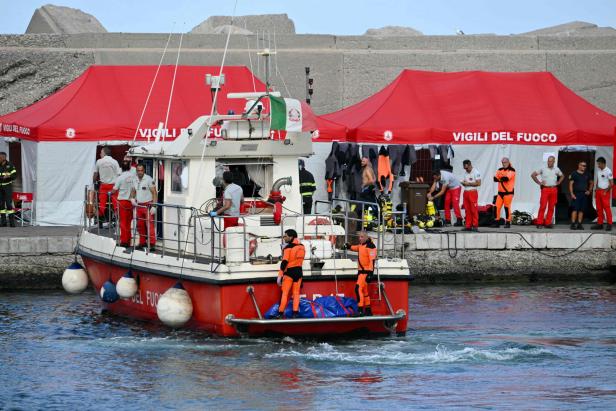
(307, 187)
(366, 252)
(107, 170)
(125, 187)
(145, 193)
(290, 273)
(505, 177)
(8, 174)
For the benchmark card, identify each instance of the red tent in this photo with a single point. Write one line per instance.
(106, 102)
(474, 107)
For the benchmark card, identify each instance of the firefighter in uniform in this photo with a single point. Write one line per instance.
(8, 174)
(145, 194)
(106, 172)
(505, 177)
(290, 273)
(125, 187)
(366, 251)
(307, 187)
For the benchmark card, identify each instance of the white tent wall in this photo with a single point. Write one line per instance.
(29, 151)
(63, 170)
(4, 146)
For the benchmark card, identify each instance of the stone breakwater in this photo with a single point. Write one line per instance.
(346, 69)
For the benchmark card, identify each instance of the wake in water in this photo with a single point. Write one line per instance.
(395, 354)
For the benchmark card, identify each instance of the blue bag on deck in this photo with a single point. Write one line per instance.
(338, 306)
(307, 309)
(272, 312)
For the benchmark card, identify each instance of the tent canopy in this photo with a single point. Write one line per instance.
(473, 107)
(106, 102)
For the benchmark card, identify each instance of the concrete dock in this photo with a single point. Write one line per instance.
(35, 257)
(521, 253)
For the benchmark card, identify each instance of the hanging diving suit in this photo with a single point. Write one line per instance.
(384, 171)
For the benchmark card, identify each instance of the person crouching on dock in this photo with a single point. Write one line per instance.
(290, 273)
(365, 269)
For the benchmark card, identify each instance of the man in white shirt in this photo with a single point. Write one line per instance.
(145, 197)
(471, 182)
(551, 177)
(232, 200)
(603, 195)
(450, 188)
(125, 187)
(106, 171)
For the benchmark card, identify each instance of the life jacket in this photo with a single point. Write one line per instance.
(505, 177)
(292, 260)
(367, 254)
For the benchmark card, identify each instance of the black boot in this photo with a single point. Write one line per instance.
(368, 312)
(360, 312)
(295, 314)
(12, 220)
(3, 220)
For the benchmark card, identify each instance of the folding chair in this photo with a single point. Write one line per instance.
(24, 213)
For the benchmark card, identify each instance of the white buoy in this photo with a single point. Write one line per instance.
(174, 307)
(127, 285)
(109, 293)
(74, 279)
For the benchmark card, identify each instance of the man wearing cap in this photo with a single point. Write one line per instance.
(307, 187)
(8, 174)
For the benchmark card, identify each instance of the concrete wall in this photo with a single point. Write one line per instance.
(35, 262)
(346, 69)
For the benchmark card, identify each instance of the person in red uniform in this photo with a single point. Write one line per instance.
(366, 252)
(505, 177)
(106, 172)
(145, 193)
(290, 273)
(125, 187)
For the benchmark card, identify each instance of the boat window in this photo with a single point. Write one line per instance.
(255, 177)
(179, 177)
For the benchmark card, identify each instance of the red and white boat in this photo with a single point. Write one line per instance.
(229, 276)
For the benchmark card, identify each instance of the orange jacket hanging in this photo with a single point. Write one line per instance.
(384, 169)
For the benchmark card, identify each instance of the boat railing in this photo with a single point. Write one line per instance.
(178, 237)
(356, 216)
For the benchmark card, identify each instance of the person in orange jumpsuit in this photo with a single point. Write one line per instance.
(505, 177)
(290, 273)
(366, 251)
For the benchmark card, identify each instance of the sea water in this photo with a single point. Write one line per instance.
(550, 346)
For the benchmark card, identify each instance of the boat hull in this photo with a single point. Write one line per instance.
(214, 303)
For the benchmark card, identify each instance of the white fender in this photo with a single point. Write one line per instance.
(74, 279)
(174, 307)
(127, 285)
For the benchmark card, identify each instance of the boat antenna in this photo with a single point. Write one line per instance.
(152, 85)
(215, 99)
(254, 86)
(175, 71)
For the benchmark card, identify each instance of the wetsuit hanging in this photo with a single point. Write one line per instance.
(332, 170)
(384, 171)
